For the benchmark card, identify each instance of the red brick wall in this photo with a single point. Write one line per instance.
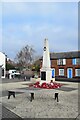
(65, 67)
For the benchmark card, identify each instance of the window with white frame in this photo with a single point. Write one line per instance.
(77, 72)
(76, 61)
(61, 62)
(61, 72)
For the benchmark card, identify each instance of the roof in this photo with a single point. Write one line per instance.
(62, 55)
(2, 54)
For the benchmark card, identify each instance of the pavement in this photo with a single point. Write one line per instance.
(6, 113)
(44, 105)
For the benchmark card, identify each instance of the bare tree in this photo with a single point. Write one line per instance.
(25, 56)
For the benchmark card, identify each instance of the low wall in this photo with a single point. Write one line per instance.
(68, 79)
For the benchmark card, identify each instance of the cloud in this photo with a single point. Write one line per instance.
(28, 9)
(39, 0)
(0, 39)
(30, 23)
(0, 27)
(60, 38)
(41, 8)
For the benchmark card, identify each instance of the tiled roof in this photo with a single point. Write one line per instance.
(73, 54)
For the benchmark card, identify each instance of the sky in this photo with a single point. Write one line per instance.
(31, 22)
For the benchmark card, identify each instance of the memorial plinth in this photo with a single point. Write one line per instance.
(46, 71)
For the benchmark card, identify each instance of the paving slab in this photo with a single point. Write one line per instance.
(6, 113)
(44, 105)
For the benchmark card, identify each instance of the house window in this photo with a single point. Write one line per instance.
(61, 62)
(2, 71)
(61, 72)
(76, 61)
(77, 72)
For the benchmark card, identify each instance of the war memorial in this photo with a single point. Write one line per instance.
(40, 98)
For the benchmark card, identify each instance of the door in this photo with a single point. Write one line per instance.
(53, 73)
(69, 73)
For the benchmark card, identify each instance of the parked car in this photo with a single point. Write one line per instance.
(13, 73)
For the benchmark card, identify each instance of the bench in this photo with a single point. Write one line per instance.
(13, 92)
(56, 97)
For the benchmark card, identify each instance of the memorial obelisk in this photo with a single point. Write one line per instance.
(46, 71)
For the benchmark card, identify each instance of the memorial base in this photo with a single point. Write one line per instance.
(46, 75)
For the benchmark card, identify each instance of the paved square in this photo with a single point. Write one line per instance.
(44, 105)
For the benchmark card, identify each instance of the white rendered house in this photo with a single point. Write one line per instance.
(2, 65)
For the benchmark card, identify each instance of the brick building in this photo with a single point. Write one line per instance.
(65, 64)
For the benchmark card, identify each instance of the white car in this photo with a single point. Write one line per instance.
(12, 73)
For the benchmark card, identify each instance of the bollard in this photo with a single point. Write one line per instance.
(11, 93)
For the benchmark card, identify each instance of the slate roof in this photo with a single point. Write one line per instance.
(73, 54)
(66, 55)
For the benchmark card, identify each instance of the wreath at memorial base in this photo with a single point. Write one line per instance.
(51, 85)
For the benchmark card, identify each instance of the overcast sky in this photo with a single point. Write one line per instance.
(30, 23)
